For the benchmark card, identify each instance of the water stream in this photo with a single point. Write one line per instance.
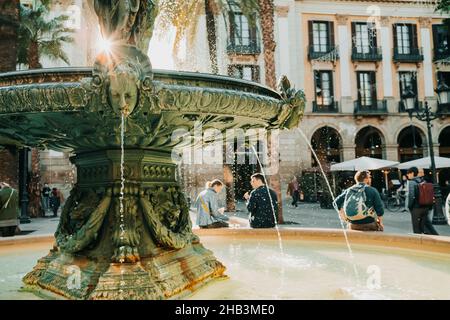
(280, 241)
(344, 229)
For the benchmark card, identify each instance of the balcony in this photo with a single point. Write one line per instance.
(401, 106)
(414, 55)
(371, 54)
(441, 54)
(331, 108)
(377, 109)
(443, 109)
(244, 46)
(327, 53)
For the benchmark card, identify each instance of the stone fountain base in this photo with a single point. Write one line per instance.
(167, 275)
(146, 251)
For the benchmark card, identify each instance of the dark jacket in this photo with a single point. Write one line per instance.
(261, 209)
(413, 193)
(373, 200)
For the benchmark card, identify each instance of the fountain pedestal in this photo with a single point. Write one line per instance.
(145, 251)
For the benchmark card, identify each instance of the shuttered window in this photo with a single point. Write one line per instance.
(367, 95)
(321, 35)
(324, 88)
(405, 38)
(408, 82)
(364, 37)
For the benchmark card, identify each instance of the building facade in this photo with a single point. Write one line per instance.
(357, 62)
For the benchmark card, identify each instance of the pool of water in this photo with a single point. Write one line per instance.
(305, 270)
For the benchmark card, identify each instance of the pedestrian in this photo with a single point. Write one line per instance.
(46, 198)
(293, 191)
(209, 215)
(262, 203)
(55, 201)
(420, 210)
(361, 205)
(9, 210)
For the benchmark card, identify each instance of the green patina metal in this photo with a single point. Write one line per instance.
(151, 252)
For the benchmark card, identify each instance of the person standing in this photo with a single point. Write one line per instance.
(293, 191)
(209, 215)
(361, 205)
(421, 222)
(56, 199)
(46, 198)
(262, 203)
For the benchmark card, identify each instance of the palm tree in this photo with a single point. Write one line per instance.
(183, 15)
(267, 11)
(40, 36)
(9, 24)
(444, 7)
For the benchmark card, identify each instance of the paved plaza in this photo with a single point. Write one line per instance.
(307, 215)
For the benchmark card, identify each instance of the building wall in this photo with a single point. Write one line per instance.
(291, 35)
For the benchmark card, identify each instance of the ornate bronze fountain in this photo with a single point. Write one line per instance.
(146, 250)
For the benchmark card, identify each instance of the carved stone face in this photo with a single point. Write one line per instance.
(123, 92)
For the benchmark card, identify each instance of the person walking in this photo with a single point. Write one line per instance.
(55, 201)
(46, 198)
(361, 205)
(293, 191)
(421, 222)
(209, 215)
(262, 203)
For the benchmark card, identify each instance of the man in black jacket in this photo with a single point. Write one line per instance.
(262, 203)
(419, 214)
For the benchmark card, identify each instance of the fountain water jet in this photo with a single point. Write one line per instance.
(126, 226)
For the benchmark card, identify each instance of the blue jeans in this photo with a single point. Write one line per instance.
(46, 203)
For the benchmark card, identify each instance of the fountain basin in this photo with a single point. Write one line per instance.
(69, 109)
(315, 265)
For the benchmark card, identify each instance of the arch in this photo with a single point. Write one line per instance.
(370, 142)
(327, 142)
(422, 130)
(412, 143)
(444, 142)
(337, 128)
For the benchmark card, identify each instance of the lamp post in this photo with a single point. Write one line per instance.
(23, 185)
(428, 116)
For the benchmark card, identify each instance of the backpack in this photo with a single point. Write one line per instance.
(355, 206)
(426, 194)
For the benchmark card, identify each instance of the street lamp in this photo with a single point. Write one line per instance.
(443, 92)
(427, 115)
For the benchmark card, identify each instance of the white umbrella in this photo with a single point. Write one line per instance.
(363, 163)
(425, 163)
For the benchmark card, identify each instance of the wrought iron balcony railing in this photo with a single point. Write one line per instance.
(244, 46)
(367, 54)
(329, 53)
(331, 108)
(443, 109)
(441, 53)
(408, 54)
(378, 107)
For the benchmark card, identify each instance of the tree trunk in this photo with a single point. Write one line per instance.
(33, 56)
(274, 179)
(211, 35)
(34, 186)
(9, 24)
(267, 12)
